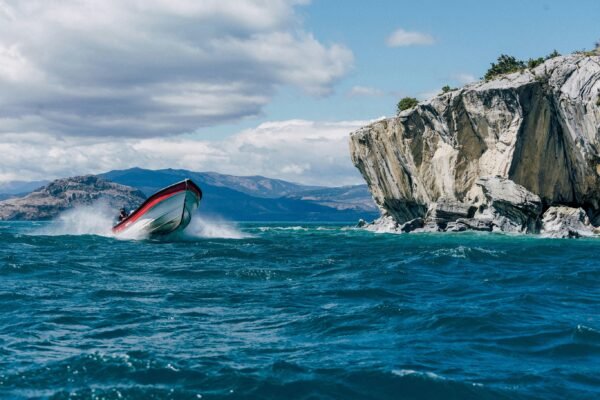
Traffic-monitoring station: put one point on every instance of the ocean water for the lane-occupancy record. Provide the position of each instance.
(295, 311)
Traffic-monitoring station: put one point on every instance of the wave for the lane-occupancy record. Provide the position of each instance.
(139, 375)
(466, 251)
(282, 228)
(585, 333)
(580, 342)
(429, 375)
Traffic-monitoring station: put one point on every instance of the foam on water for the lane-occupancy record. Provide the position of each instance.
(407, 372)
(98, 219)
(279, 228)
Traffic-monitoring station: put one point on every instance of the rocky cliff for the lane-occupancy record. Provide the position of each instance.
(493, 155)
(61, 194)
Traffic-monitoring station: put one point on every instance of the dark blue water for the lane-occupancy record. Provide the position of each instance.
(298, 313)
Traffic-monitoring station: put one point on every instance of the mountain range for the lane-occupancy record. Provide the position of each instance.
(242, 198)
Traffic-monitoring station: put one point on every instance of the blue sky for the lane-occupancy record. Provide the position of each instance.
(468, 35)
(269, 87)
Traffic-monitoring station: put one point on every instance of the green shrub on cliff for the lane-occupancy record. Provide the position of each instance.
(406, 103)
(508, 64)
(534, 62)
(589, 53)
(504, 65)
(447, 89)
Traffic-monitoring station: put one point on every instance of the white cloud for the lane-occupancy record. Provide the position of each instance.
(298, 150)
(402, 38)
(295, 169)
(127, 68)
(90, 86)
(14, 67)
(365, 91)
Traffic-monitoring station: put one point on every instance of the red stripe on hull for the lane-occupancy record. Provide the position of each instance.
(156, 198)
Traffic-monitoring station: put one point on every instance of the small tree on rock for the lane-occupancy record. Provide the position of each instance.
(505, 65)
(406, 103)
(534, 62)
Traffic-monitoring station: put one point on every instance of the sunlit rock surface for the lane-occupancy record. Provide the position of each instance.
(508, 149)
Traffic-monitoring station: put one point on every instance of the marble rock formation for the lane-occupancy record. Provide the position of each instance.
(493, 155)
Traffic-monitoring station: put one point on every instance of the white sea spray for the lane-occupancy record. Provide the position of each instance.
(95, 219)
(213, 227)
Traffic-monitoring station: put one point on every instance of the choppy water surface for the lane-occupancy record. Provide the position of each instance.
(286, 311)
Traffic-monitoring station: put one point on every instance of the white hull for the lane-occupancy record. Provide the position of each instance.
(162, 215)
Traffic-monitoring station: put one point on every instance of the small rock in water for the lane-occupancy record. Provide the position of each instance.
(412, 225)
(456, 227)
(566, 222)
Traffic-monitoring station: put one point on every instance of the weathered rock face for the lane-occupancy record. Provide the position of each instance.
(61, 194)
(510, 207)
(510, 148)
(566, 222)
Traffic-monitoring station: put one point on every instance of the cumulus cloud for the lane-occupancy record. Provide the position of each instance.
(358, 91)
(298, 150)
(126, 68)
(402, 38)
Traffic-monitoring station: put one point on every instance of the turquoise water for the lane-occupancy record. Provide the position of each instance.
(297, 312)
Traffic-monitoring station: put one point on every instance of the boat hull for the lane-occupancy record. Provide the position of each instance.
(169, 210)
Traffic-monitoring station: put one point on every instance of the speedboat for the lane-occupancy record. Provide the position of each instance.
(166, 211)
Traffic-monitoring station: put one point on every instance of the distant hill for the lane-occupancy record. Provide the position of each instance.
(257, 198)
(59, 195)
(258, 186)
(238, 198)
(355, 197)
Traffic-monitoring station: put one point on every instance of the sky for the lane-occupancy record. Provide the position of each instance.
(244, 87)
